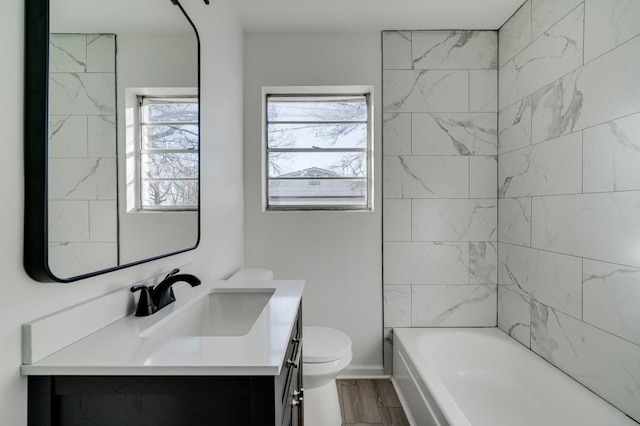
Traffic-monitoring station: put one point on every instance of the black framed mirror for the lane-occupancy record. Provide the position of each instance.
(112, 135)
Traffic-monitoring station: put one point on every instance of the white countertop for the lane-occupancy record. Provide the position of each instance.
(118, 349)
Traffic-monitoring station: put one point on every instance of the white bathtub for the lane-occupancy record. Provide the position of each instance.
(482, 377)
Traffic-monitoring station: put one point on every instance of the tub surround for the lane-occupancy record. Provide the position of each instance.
(119, 349)
(569, 274)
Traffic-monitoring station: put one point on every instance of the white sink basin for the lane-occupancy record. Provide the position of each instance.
(222, 312)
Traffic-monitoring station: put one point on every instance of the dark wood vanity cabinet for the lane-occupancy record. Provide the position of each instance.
(172, 400)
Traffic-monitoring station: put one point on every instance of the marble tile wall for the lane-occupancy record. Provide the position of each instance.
(439, 178)
(569, 190)
(82, 153)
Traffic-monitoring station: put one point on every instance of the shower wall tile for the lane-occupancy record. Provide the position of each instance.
(595, 94)
(426, 263)
(602, 226)
(101, 135)
(611, 298)
(68, 221)
(426, 91)
(396, 220)
(553, 167)
(557, 52)
(483, 86)
(514, 221)
(397, 306)
(608, 24)
(546, 13)
(82, 179)
(483, 173)
(514, 315)
(453, 305)
(82, 94)
(396, 133)
(67, 53)
(103, 222)
(71, 259)
(101, 53)
(67, 136)
(612, 156)
(425, 177)
(483, 260)
(515, 126)
(604, 363)
(454, 134)
(455, 50)
(551, 278)
(397, 50)
(454, 220)
(515, 34)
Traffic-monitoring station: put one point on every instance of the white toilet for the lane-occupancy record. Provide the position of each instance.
(326, 352)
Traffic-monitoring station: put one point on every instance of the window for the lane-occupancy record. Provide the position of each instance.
(318, 149)
(169, 153)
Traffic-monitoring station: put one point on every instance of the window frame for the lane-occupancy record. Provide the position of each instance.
(140, 151)
(310, 92)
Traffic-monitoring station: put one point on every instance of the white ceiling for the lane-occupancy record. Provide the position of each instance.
(366, 15)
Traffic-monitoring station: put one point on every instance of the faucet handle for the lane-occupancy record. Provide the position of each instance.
(145, 303)
(175, 271)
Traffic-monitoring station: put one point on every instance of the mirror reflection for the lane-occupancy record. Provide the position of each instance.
(123, 148)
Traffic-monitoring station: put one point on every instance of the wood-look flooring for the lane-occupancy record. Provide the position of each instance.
(370, 403)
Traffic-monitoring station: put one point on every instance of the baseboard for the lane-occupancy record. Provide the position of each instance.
(403, 402)
(363, 372)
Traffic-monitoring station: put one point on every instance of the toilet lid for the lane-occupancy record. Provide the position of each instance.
(322, 344)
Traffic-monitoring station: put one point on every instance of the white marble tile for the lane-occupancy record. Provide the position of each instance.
(101, 135)
(604, 363)
(454, 134)
(82, 179)
(454, 220)
(396, 220)
(68, 221)
(67, 53)
(612, 298)
(396, 50)
(103, 221)
(546, 13)
(82, 94)
(515, 34)
(603, 90)
(552, 167)
(68, 260)
(67, 136)
(454, 306)
(455, 50)
(397, 305)
(514, 315)
(396, 133)
(514, 129)
(609, 23)
(557, 52)
(425, 177)
(514, 221)
(101, 53)
(483, 262)
(426, 91)
(426, 263)
(603, 226)
(612, 156)
(551, 278)
(483, 172)
(483, 90)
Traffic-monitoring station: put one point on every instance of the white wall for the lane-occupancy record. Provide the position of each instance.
(221, 249)
(338, 254)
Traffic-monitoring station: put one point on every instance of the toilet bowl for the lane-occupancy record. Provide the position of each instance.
(326, 352)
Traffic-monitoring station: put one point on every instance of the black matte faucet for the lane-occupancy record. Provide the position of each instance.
(152, 299)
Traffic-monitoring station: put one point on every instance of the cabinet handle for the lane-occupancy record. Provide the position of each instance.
(295, 363)
(295, 402)
(296, 340)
